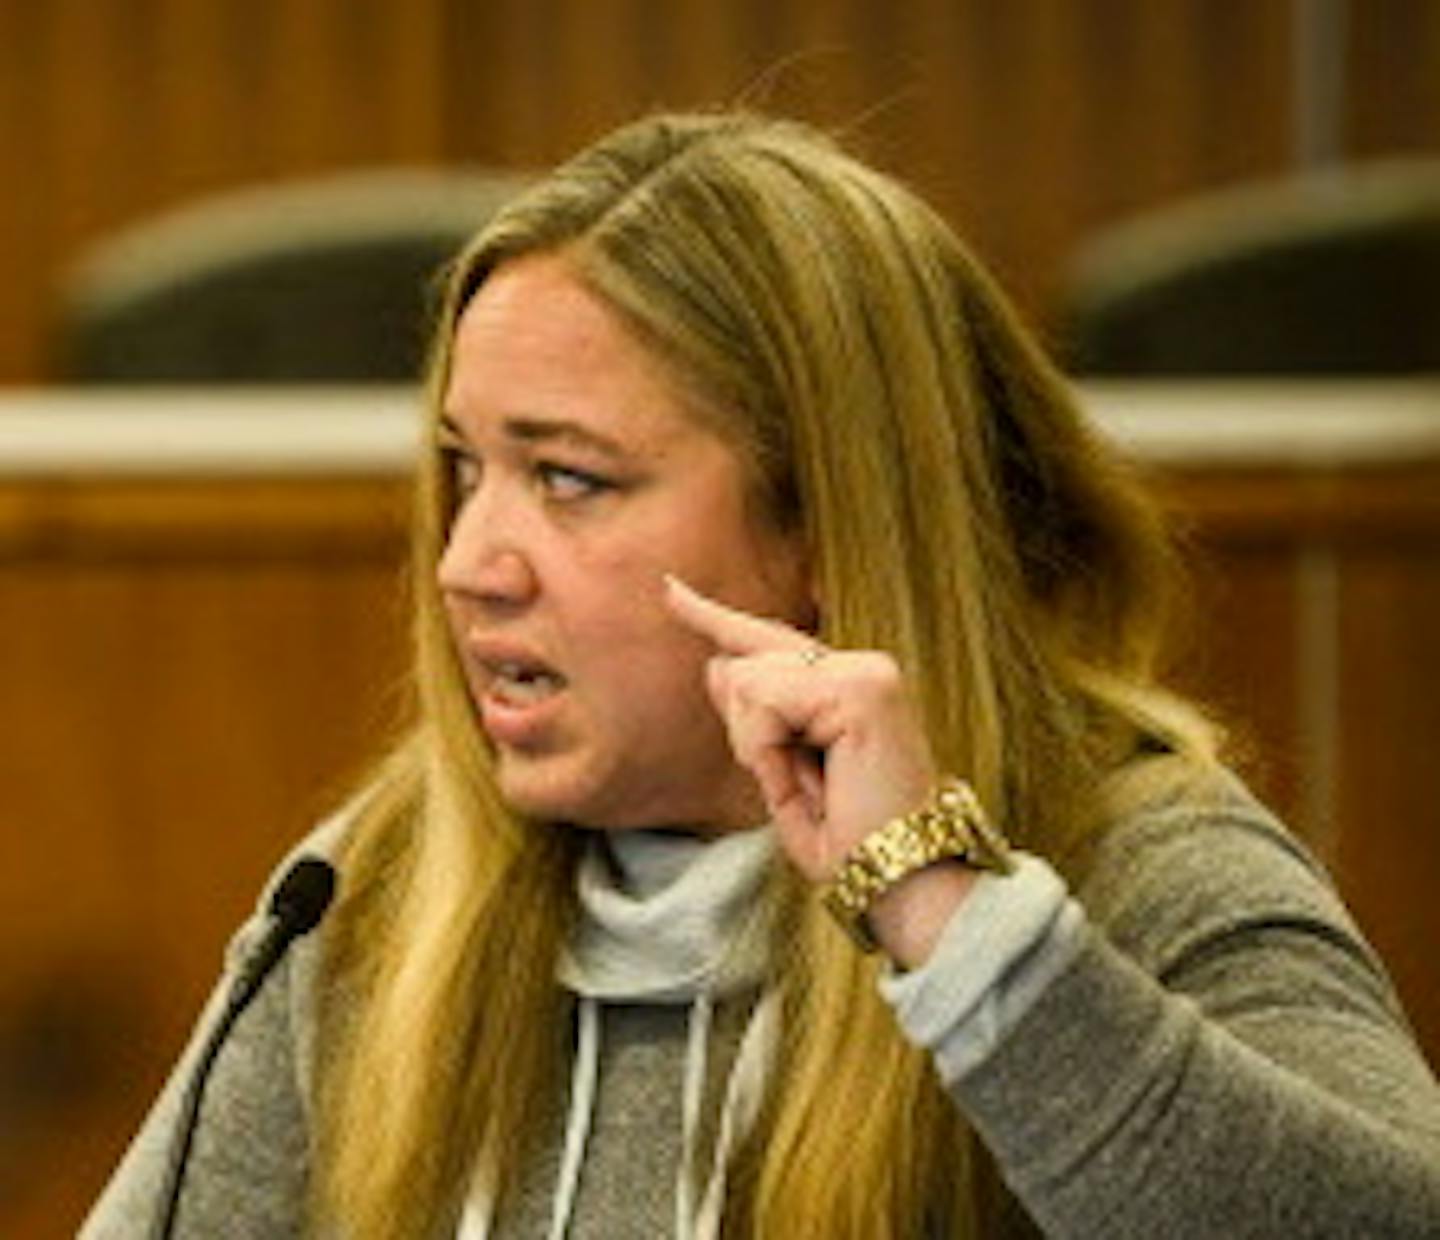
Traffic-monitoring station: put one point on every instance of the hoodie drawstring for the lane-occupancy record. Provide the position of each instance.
(744, 1093)
(582, 1110)
(692, 1097)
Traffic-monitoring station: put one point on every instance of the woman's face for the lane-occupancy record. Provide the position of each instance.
(583, 475)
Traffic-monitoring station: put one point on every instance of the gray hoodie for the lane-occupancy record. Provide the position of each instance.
(1197, 1043)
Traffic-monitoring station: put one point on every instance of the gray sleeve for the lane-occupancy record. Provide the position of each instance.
(249, 1167)
(1222, 1056)
(1013, 936)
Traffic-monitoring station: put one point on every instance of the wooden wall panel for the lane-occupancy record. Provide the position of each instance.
(191, 674)
(1389, 735)
(28, 252)
(1031, 123)
(1393, 100)
(114, 109)
(1028, 123)
(1318, 602)
(1236, 653)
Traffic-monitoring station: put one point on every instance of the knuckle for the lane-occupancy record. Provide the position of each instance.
(742, 680)
(756, 675)
(878, 675)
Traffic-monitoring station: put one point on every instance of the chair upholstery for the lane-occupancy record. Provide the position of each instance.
(328, 280)
(1330, 274)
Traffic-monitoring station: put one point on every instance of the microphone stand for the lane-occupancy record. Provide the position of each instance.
(298, 905)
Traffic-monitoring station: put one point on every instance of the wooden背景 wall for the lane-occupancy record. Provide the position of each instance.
(1030, 123)
(191, 671)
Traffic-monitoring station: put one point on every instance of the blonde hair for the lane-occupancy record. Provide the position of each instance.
(960, 514)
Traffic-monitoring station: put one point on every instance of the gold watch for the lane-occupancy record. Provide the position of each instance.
(952, 825)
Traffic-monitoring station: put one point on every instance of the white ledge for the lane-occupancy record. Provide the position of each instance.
(373, 430)
(1271, 424)
(208, 431)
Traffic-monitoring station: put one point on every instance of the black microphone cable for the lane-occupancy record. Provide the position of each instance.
(296, 908)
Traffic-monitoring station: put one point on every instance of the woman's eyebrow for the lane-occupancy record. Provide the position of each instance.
(546, 430)
(538, 430)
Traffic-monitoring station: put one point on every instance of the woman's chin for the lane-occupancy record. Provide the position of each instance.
(555, 788)
(543, 791)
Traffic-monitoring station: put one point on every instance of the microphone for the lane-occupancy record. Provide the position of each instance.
(296, 908)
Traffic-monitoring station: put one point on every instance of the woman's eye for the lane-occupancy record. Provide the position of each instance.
(561, 482)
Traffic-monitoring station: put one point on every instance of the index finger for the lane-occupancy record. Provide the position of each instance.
(733, 631)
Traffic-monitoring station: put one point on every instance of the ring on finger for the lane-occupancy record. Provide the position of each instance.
(812, 655)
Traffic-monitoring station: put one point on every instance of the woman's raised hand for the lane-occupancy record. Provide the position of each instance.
(831, 736)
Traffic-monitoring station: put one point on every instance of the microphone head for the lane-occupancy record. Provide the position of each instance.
(303, 895)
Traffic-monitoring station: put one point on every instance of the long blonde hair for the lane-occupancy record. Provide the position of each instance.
(960, 515)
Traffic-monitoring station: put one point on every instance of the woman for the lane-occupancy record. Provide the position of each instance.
(759, 523)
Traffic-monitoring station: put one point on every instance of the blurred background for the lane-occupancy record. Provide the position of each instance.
(1223, 214)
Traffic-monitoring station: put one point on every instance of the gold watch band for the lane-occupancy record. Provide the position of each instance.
(952, 825)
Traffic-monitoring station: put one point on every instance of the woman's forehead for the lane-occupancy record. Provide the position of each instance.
(539, 354)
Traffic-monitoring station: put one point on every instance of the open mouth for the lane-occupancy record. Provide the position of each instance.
(522, 684)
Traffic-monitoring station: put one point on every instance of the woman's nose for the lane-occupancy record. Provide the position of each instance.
(486, 557)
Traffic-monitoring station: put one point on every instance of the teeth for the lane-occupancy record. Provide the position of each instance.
(516, 683)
